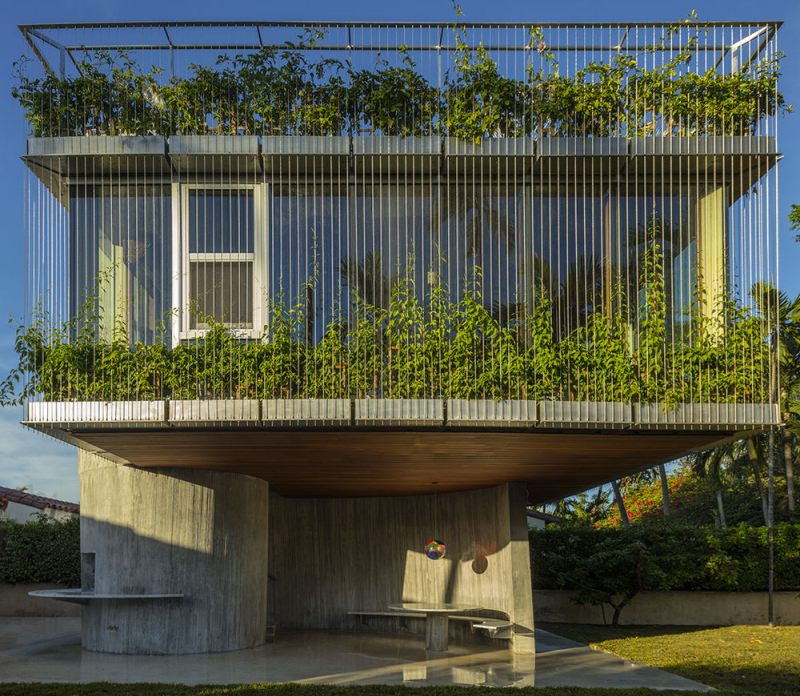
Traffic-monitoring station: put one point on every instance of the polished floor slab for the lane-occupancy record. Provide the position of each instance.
(48, 650)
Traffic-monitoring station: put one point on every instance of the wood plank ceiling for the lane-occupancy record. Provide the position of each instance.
(379, 463)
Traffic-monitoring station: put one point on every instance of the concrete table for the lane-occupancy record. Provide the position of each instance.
(436, 620)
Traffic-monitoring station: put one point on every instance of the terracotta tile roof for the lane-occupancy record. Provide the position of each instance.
(11, 495)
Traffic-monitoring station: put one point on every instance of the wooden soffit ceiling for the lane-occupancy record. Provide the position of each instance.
(378, 463)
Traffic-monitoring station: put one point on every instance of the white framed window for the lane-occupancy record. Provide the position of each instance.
(220, 264)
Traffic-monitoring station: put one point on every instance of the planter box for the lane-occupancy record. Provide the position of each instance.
(490, 147)
(582, 147)
(97, 145)
(202, 410)
(305, 145)
(705, 414)
(490, 413)
(396, 145)
(95, 411)
(305, 153)
(305, 411)
(702, 145)
(215, 154)
(395, 154)
(399, 412)
(214, 145)
(585, 413)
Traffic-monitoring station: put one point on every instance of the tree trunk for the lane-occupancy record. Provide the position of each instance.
(623, 513)
(788, 459)
(617, 611)
(662, 472)
(721, 510)
(755, 461)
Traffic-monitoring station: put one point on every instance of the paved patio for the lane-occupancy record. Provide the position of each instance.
(48, 650)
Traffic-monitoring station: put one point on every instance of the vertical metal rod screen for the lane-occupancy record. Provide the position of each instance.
(559, 213)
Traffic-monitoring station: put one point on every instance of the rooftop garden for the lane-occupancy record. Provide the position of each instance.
(296, 90)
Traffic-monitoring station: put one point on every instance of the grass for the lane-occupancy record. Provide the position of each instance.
(303, 690)
(737, 660)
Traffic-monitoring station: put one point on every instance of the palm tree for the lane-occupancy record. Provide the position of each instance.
(584, 509)
(368, 280)
(662, 473)
(781, 325)
(710, 465)
(476, 215)
(623, 513)
(755, 455)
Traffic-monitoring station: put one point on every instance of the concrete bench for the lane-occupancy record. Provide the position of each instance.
(401, 614)
(495, 628)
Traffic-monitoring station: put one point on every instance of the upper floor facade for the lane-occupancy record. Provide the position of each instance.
(561, 225)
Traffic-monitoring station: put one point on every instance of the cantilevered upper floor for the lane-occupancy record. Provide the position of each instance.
(443, 244)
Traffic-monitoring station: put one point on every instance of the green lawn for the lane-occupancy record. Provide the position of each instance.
(296, 690)
(737, 660)
(734, 659)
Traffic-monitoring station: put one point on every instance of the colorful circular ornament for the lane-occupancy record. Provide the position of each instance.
(435, 549)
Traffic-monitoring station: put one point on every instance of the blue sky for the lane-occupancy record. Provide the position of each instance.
(49, 467)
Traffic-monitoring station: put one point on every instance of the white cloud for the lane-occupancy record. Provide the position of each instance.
(43, 464)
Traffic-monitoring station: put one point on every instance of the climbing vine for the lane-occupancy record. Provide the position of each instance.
(422, 344)
(282, 92)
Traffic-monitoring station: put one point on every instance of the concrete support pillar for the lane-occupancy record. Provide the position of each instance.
(436, 633)
(202, 534)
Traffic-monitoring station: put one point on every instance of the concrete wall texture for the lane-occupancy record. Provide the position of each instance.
(207, 534)
(674, 609)
(332, 556)
(200, 533)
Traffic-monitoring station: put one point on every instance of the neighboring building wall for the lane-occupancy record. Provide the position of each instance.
(332, 556)
(200, 533)
(674, 609)
(19, 512)
(27, 513)
(58, 515)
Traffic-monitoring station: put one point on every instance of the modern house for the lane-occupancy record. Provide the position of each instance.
(307, 296)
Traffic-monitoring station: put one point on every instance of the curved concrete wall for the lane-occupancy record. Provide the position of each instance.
(330, 556)
(199, 533)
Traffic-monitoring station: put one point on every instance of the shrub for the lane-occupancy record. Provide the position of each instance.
(610, 566)
(422, 344)
(281, 92)
(41, 551)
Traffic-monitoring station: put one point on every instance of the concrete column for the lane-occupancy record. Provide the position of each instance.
(436, 632)
(199, 533)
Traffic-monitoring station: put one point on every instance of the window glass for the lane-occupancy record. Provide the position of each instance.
(667, 220)
(567, 253)
(221, 221)
(222, 291)
(308, 246)
(120, 261)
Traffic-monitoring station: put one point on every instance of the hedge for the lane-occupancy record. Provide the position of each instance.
(671, 557)
(40, 551)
